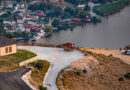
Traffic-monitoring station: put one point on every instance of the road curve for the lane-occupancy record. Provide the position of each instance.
(13, 81)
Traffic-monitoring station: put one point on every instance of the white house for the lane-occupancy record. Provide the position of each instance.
(81, 6)
(32, 22)
(20, 20)
(7, 22)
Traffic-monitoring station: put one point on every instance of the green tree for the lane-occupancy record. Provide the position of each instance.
(95, 19)
(46, 20)
(65, 15)
(76, 2)
(82, 14)
(56, 22)
(71, 10)
(57, 11)
(48, 29)
(41, 6)
(6, 15)
(2, 31)
(87, 7)
(42, 88)
(25, 34)
(10, 35)
(39, 64)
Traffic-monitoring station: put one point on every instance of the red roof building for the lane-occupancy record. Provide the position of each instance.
(77, 19)
(28, 26)
(69, 45)
(19, 18)
(39, 13)
(31, 27)
(86, 20)
(36, 29)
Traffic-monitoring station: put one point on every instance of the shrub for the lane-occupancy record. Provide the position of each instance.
(42, 88)
(110, 55)
(127, 75)
(77, 73)
(84, 71)
(121, 79)
(85, 54)
(39, 64)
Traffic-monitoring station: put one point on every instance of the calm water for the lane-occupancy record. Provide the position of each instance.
(112, 33)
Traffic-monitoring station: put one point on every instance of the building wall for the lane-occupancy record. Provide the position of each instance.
(3, 50)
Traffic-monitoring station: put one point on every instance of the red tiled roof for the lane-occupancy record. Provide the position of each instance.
(39, 13)
(77, 19)
(86, 20)
(28, 26)
(36, 29)
(68, 44)
(31, 27)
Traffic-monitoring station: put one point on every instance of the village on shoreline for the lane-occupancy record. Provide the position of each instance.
(25, 21)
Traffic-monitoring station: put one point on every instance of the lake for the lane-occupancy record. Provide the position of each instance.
(112, 33)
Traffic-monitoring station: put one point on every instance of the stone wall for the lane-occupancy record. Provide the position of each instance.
(38, 44)
(24, 63)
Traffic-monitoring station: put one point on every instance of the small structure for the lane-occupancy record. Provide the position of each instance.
(7, 46)
(68, 46)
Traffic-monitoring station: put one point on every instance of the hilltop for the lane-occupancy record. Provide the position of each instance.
(110, 74)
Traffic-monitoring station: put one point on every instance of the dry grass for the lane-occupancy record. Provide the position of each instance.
(10, 62)
(37, 75)
(105, 77)
(115, 53)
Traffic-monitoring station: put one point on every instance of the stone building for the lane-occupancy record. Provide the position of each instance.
(7, 46)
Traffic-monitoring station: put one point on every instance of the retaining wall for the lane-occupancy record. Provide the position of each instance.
(28, 61)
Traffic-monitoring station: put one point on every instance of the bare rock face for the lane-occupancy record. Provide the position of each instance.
(87, 63)
(95, 72)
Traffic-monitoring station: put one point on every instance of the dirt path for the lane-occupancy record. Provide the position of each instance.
(115, 53)
(13, 81)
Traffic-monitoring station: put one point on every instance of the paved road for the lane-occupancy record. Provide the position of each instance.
(58, 59)
(13, 81)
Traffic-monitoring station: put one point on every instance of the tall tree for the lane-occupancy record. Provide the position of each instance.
(56, 22)
(48, 29)
(71, 10)
(2, 31)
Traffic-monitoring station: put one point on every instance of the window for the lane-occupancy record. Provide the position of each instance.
(10, 49)
(6, 50)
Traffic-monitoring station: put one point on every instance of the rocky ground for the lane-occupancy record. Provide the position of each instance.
(95, 72)
(115, 52)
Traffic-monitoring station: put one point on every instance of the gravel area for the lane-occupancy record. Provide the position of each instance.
(58, 59)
